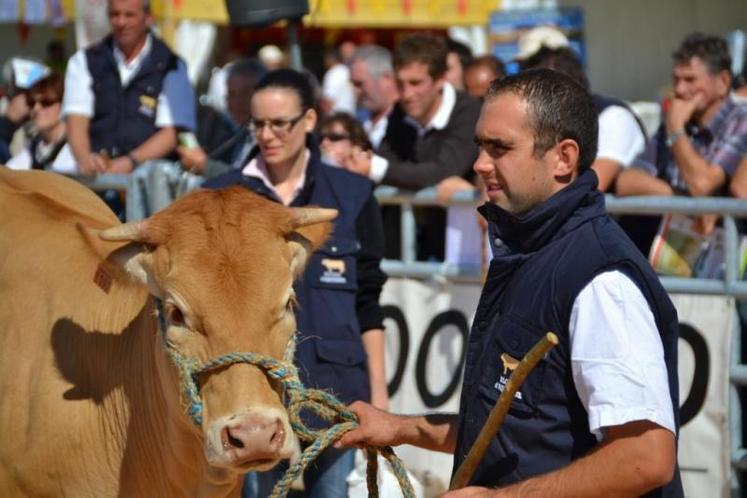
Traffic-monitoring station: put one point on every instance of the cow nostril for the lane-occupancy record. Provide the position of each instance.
(229, 441)
(278, 436)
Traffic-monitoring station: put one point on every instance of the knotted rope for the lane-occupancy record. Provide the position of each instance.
(298, 397)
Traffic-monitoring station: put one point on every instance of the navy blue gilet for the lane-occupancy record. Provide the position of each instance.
(125, 117)
(329, 351)
(549, 255)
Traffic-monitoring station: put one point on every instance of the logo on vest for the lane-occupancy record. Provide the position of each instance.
(509, 365)
(147, 105)
(334, 271)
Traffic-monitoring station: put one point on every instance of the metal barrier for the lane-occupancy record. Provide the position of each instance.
(730, 285)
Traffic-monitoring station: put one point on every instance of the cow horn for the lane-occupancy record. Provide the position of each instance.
(308, 216)
(135, 230)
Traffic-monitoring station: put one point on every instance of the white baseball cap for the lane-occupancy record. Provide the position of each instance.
(542, 36)
(24, 72)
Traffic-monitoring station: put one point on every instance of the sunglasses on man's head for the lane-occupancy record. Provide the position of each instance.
(335, 137)
(44, 101)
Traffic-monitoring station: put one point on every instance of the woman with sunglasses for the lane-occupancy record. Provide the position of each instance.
(48, 149)
(340, 134)
(340, 341)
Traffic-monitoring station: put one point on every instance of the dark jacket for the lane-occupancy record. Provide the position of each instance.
(125, 117)
(339, 291)
(549, 255)
(419, 162)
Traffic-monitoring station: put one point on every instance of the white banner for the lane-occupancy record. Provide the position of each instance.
(427, 326)
(706, 324)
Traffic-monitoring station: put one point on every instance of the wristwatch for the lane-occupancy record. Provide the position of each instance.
(674, 136)
(135, 163)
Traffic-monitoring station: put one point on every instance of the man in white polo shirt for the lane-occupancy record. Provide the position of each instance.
(127, 96)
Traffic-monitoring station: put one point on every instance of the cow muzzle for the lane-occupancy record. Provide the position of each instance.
(251, 440)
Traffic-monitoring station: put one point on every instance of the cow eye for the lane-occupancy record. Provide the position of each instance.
(174, 315)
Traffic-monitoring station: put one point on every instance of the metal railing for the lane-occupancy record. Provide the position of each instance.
(730, 285)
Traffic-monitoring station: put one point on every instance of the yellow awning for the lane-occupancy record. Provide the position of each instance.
(339, 13)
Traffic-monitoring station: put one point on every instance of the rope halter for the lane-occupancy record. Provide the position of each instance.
(297, 397)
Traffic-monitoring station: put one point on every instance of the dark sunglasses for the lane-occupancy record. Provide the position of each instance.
(44, 101)
(335, 137)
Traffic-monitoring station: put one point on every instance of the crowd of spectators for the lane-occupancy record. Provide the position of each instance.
(403, 118)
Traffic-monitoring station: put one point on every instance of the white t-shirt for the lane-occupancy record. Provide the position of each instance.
(620, 137)
(617, 357)
(63, 163)
(176, 102)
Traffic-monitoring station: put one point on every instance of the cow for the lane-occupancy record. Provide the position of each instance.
(90, 402)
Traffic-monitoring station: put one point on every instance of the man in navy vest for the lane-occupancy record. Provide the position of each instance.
(599, 415)
(126, 96)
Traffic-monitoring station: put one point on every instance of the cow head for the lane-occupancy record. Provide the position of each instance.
(223, 263)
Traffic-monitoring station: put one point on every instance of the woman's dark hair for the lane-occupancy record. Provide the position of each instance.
(352, 127)
(292, 80)
(52, 85)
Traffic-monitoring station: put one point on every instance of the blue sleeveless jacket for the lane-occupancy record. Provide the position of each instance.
(548, 256)
(125, 117)
(329, 351)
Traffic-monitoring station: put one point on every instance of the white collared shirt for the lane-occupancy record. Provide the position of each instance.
(176, 102)
(257, 168)
(376, 130)
(617, 357)
(439, 121)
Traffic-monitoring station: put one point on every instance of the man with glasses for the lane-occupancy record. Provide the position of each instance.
(127, 96)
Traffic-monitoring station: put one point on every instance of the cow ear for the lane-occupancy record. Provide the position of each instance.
(307, 216)
(304, 241)
(137, 261)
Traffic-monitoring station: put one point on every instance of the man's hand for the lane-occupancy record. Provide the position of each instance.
(18, 110)
(193, 159)
(92, 164)
(447, 187)
(681, 110)
(359, 161)
(377, 428)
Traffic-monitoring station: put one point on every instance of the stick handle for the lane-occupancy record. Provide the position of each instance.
(498, 413)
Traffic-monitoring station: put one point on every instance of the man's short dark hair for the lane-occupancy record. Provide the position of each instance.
(461, 50)
(562, 59)
(712, 50)
(558, 108)
(425, 48)
(489, 61)
(249, 67)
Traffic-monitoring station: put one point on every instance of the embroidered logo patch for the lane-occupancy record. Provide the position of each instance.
(147, 105)
(509, 365)
(334, 271)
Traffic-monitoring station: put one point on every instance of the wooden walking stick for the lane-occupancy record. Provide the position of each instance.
(498, 413)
